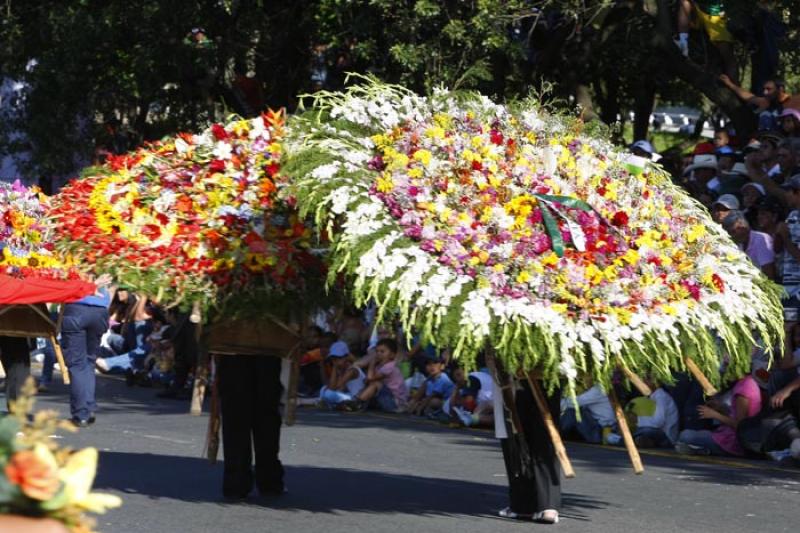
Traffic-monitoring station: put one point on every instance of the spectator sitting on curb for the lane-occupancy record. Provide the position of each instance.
(346, 379)
(655, 419)
(436, 389)
(597, 417)
(384, 383)
(471, 401)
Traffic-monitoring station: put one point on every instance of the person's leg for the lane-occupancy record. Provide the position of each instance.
(369, 391)
(96, 326)
(589, 427)
(520, 496)
(267, 427)
(48, 364)
(385, 400)
(651, 438)
(546, 481)
(237, 396)
(333, 398)
(116, 364)
(700, 441)
(16, 359)
(73, 343)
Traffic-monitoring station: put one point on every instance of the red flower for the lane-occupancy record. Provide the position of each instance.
(217, 165)
(218, 130)
(718, 283)
(620, 219)
(496, 137)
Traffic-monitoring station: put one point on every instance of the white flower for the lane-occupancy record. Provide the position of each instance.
(164, 201)
(223, 150)
(326, 172)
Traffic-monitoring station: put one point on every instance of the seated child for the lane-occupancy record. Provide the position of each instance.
(384, 384)
(346, 379)
(437, 388)
(654, 419)
(745, 402)
(471, 401)
(597, 418)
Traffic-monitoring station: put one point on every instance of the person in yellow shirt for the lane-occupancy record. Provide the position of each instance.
(710, 16)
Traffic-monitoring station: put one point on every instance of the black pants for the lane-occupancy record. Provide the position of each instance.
(16, 358)
(539, 488)
(250, 391)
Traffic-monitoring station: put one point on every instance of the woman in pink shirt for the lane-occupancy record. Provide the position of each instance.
(745, 402)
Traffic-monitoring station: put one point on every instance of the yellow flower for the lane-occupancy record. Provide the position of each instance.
(523, 277)
(435, 132)
(78, 476)
(695, 232)
(668, 309)
(423, 156)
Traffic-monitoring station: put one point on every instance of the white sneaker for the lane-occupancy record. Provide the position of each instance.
(508, 513)
(102, 364)
(548, 516)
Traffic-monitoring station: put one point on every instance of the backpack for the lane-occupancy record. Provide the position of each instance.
(767, 431)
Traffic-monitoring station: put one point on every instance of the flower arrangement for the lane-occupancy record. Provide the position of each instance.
(26, 249)
(40, 479)
(184, 217)
(507, 226)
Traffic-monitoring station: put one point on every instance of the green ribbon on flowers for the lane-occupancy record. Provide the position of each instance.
(550, 222)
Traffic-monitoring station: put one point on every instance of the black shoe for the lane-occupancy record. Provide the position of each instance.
(79, 422)
(91, 420)
(273, 492)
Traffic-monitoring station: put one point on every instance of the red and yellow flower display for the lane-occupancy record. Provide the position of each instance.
(181, 218)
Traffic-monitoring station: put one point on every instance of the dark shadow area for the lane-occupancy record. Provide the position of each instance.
(315, 489)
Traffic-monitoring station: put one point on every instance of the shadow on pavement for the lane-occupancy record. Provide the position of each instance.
(315, 489)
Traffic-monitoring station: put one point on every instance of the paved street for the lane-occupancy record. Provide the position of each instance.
(372, 473)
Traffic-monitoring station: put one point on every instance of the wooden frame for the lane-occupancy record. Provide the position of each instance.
(33, 320)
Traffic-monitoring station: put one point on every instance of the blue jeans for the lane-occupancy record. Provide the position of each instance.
(658, 437)
(81, 330)
(385, 400)
(133, 360)
(49, 363)
(588, 427)
(701, 438)
(333, 398)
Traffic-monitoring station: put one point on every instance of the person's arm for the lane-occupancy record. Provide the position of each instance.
(757, 174)
(746, 96)
(742, 406)
(788, 246)
(786, 361)
(770, 271)
(782, 395)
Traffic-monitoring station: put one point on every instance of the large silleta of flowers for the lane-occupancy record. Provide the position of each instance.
(194, 220)
(482, 225)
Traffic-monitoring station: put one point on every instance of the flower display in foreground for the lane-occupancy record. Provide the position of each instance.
(40, 479)
(184, 217)
(26, 249)
(506, 226)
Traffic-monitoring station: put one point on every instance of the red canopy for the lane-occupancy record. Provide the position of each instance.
(33, 290)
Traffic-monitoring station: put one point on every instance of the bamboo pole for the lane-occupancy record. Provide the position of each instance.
(633, 453)
(60, 359)
(212, 438)
(638, 382)
(291, 393)
(200, 376)
(708, 388)
(555, 436)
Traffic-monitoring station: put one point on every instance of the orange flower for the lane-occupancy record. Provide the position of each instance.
(36, 473)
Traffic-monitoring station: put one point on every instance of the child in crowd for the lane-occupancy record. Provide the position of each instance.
(745, 402)
(384, 383)
(471, 401)
(346, 379)
(597, 418)
(654, 420)
(437, 388)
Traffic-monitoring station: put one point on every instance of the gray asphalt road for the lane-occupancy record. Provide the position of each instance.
(361, 472)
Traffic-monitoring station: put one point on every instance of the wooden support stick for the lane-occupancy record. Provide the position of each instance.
(708, 388)
(60, 359)
(212, 438)
(626, 433)
(291, 393)
(636, 380)
(555, 436)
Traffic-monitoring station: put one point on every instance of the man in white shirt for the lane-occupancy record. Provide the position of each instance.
(596, 415)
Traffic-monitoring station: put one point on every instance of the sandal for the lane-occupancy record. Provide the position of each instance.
(508, 513)
(548, 516)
